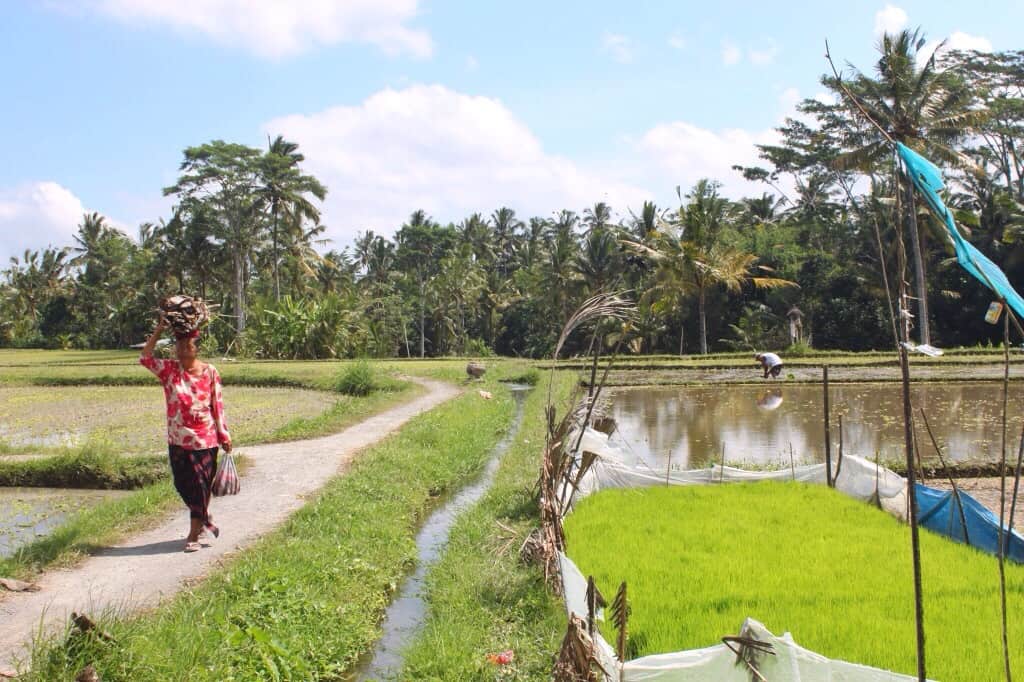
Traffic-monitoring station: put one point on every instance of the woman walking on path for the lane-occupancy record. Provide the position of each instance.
(195, 425)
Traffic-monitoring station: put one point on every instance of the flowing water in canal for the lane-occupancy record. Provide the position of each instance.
(757, 424)
(405, 614)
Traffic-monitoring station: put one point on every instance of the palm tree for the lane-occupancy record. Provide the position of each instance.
(284, 196)
(646, 224)
(599, 262)
(598, 217)
(559, 277)
(88, 239)
(506, 227)
(924, 107)
(691, 258)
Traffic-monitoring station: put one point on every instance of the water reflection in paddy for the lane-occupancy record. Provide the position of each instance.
(758, 424)
(28, 513)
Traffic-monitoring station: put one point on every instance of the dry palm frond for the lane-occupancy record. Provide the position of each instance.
(620, 619)
(577, 660)
(612, 305)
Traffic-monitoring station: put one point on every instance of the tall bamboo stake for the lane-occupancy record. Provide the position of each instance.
(949, 476)
(1016, 487)
(828, 431)
(908, 444)
(1002, 493)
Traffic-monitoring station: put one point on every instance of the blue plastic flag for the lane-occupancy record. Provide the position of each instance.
(928, 181)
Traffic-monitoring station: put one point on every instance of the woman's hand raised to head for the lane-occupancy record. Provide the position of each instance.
(147, 350)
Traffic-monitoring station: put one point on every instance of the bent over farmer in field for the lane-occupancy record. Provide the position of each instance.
(770, 363)
(195, 425)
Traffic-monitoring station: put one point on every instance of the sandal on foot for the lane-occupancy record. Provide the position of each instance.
(192, 547)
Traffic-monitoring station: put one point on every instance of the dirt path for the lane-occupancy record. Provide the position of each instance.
(151, 566)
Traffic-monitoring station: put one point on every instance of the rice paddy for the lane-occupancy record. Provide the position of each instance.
(131, 418)
(833, 571)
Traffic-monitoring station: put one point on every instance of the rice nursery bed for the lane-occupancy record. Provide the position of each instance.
(832, 570)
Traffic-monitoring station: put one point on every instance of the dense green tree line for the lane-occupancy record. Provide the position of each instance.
(707, 273)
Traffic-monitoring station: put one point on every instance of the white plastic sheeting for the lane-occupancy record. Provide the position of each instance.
(857, 477)
(791, 662)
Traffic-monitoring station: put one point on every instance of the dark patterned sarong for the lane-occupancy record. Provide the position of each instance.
(193, 477)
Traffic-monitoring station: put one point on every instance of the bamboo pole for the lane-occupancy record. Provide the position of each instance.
(949, 477)
(839, 464)
(828, 432)
(1002, 494)
(1016, 487)
(792, 467)
(721, 466)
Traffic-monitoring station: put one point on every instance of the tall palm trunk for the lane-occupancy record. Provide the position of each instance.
(703, 321)
(423, 315)
(920, 287)
(239, 266)
(277, 274)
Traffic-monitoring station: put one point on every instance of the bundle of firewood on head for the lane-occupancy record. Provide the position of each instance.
(184, 315)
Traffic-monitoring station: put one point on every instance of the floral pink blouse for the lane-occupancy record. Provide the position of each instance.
(195, 405)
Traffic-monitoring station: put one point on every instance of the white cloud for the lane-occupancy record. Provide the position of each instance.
(619, 46)
(890, 19)
(788, 99)
(958, 40)
(37, 214)
(448, 153)
(280, 28)
(472, 64)
(685, 153)
(731, 53)
(763, 56)
(676, 41)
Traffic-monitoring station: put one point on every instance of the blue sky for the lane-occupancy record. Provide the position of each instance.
(402, 104)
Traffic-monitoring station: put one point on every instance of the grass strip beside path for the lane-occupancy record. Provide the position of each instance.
(481, 598)
(834, 571)
(305, 601)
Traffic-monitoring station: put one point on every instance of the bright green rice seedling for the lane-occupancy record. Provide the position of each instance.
(832, 570)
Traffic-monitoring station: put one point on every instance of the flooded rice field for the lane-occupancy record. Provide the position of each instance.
(132, 417)
(757, 425)
(28, 513)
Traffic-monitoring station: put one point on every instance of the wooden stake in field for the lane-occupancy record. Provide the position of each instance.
(902, 340)
(828, 431)
(949, 477)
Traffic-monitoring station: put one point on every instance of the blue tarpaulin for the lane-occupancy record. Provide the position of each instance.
(938, 511)
(928, 181)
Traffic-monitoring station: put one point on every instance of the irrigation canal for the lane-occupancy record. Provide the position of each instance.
(405, 615)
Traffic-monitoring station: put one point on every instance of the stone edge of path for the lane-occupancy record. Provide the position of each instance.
(142, 570)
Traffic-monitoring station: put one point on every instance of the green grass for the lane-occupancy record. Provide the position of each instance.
(832, 570)
(482, 598)
(304, 602)
(90, 467)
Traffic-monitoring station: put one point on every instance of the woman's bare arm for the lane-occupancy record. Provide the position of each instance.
(147, 350)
